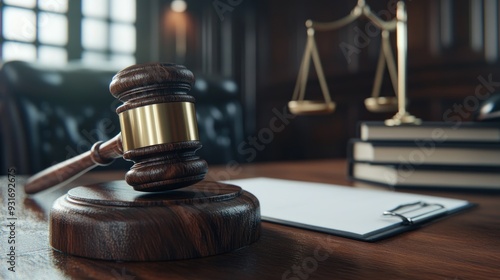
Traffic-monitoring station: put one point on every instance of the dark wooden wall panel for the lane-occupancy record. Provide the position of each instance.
(444, 64)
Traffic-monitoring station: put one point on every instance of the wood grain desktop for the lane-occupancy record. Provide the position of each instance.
(464, 246)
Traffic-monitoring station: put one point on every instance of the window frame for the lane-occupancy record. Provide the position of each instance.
(73, 47)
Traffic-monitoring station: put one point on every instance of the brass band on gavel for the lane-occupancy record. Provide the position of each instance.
(158, 124)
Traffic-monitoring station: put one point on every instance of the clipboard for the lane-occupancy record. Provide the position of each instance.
(361, 214)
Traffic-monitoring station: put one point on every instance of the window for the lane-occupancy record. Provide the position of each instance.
(35, 31)
(38, 30)
(108, 31)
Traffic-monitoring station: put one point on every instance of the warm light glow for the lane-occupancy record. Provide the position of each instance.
(178, 6)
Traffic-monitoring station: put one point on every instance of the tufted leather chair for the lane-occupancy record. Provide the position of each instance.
(49, 114)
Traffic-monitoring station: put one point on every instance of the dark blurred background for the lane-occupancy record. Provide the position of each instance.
(258, 44)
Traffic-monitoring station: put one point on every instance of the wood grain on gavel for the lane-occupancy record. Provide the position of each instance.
(111, 221)
(158, 132)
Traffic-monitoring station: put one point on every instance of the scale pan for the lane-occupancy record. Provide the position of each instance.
(311, 107)
(381, 104)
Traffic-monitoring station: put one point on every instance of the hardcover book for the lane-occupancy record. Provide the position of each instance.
(425, 152)
(435, 131)
(407, 175)
(433, 154)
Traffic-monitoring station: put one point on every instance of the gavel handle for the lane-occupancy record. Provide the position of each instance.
(101, 153)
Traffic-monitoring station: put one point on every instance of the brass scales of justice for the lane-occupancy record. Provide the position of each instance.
(376, 103)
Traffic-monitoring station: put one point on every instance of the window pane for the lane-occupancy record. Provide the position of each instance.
(95, 8)
(123, 38)
(123, 10)
(90, 57)
(18, 51)
(52, 29)
(94, 34)
(53, 55)
(19, 24)
(122, 61)
(21, 3)
(58, 6)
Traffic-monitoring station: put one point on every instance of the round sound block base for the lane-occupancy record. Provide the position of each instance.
(111, 221)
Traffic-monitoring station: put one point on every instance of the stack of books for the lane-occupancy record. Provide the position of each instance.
(433, 154)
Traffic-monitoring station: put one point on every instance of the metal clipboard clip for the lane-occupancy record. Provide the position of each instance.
(415, 212)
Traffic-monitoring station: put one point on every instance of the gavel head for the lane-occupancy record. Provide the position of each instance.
(158, 126)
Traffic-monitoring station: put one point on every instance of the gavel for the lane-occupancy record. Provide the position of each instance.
(159, 133)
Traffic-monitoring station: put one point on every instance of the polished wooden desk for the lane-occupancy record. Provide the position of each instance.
(464, 246)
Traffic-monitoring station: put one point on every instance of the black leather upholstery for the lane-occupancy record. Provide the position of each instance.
(49, 114)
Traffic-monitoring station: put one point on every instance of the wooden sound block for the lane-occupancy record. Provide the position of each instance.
(111, 221)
